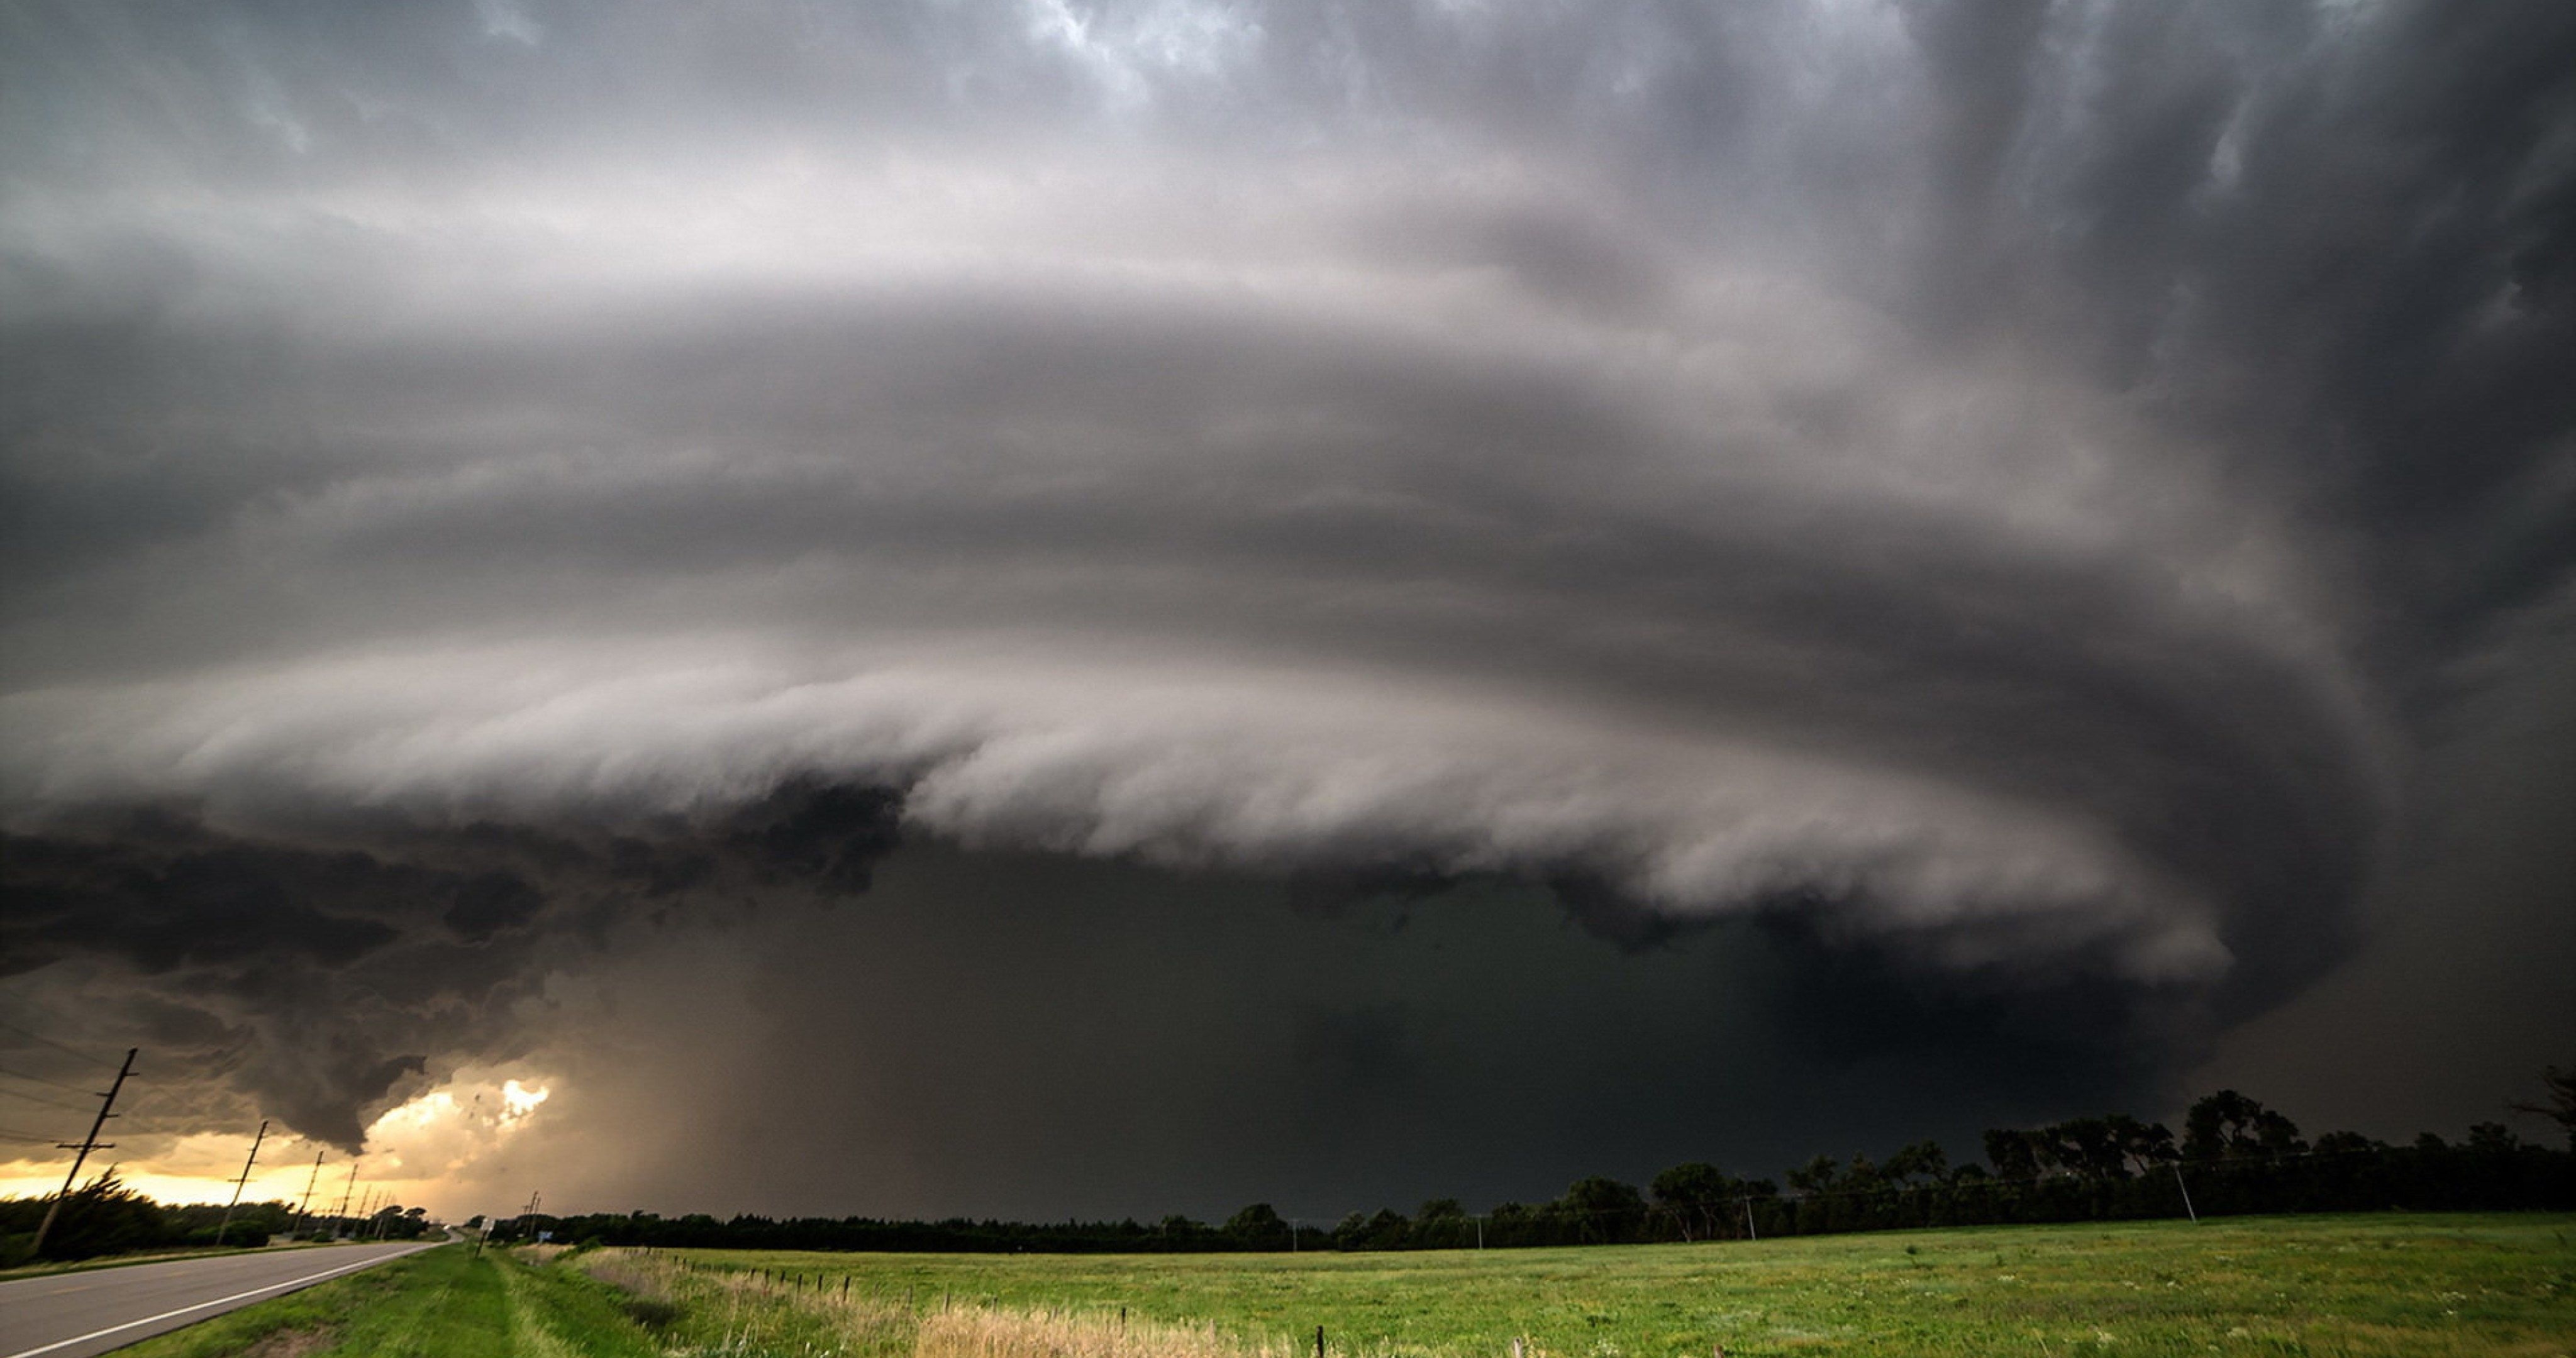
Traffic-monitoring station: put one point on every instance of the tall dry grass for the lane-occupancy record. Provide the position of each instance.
(995, 1332)
(731, 1312)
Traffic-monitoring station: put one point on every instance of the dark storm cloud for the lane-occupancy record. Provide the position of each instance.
(315, 977)
(1988, 498)
(1016, 1033)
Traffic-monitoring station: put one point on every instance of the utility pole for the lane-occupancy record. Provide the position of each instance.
(528, 1214)
(306, 1200)
(2186, 1194)
(341, 1218)
(240, 1183)
(87, 1144)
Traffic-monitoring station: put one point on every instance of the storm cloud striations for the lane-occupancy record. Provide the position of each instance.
(1998, 500)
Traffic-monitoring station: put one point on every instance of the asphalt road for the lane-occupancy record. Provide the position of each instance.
(72, 1315)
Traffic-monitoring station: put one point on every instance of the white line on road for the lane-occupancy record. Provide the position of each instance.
(237, 1296)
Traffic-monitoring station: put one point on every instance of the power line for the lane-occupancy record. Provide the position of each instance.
(91, 1057)
(13, 1134)
(20, 1074)
(39, 1098)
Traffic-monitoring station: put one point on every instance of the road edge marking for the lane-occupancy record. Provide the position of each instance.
(237, 1296)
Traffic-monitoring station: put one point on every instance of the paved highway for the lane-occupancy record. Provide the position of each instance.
(73, 1315)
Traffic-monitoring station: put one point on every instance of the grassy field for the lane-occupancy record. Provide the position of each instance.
(2327, 1285)
(441, 1303)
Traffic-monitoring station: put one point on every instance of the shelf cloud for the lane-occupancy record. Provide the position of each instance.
(2006, 496)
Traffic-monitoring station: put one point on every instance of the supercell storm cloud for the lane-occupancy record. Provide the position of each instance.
(2012, 497)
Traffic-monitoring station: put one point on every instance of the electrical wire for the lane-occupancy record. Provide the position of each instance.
(20, 1074)
(39, 1098)
(57, 1046)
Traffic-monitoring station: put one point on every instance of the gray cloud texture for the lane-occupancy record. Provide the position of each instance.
(2003, 492)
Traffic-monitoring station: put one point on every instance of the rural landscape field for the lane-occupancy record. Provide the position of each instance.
(2327, 1286)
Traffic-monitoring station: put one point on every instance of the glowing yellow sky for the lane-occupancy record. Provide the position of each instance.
(416, 1152)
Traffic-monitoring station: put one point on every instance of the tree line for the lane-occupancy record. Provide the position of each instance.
(2235, 1156)
(106, 1217)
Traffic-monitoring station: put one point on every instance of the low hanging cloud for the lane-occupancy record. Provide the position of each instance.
(2000, 486)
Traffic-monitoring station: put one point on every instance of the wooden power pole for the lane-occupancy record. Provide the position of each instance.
(307, 1199)
(107, 1103)
(238, 1184)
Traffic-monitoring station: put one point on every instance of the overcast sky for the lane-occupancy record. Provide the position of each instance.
(1043, 608)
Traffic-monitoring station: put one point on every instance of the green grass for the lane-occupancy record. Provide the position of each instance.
(2326, 1285)
(2332, 1286)
(441, 1303)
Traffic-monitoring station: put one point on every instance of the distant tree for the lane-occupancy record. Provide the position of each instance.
(2559, 1101)
(1442, 1224)
(2347, 1143)
(1861, 1175)
(2087, 1148)
(1694, 1194)
(1819, 1175)
(2143, 1145)
(105, 1217)
(1258, 1226)
(2229, 1126)
(1604, 1209)
(1387, 1230)
(2011, 1153)
(1922, 1160)
(2493, 1138)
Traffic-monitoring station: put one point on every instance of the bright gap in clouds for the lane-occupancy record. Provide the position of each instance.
(417, 1153)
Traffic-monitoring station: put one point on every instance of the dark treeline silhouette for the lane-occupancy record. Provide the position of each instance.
(106, 1217)
(2235, 1156)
